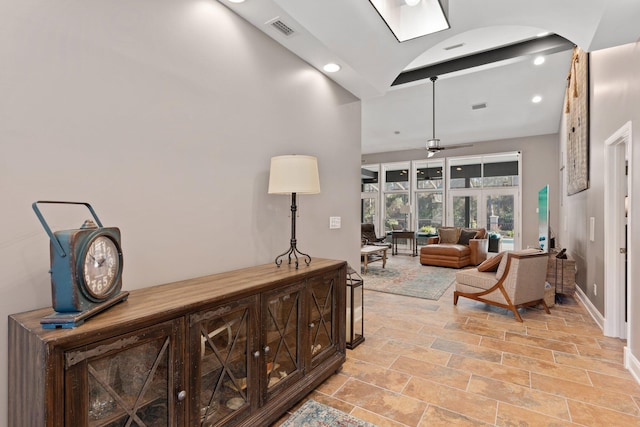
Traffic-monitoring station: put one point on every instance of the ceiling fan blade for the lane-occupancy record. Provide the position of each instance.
(432, 150)
(458, 146)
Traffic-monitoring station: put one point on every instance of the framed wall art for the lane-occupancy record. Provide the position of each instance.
(577, 110)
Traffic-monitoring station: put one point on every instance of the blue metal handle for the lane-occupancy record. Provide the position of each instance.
(54, 239)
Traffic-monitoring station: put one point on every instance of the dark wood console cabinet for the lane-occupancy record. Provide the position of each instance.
(236, 348)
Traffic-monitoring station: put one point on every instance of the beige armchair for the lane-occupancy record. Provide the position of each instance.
(518, 282)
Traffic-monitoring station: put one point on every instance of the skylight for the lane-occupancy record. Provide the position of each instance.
(409, 19)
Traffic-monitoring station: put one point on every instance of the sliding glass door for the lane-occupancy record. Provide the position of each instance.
(494, 209)
(463, 210)
(500, 215)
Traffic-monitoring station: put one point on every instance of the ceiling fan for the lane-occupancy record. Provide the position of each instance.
(433, 144)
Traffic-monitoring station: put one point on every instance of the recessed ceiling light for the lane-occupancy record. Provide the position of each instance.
(536, 99)
(411, 2)
(539, 60)
(331, 67)
(236, 1)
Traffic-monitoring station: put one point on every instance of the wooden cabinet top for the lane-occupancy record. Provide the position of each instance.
(157, 303)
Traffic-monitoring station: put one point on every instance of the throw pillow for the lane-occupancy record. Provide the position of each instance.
(465, 236)
(503, 265)
(491, 264)
(448, 235)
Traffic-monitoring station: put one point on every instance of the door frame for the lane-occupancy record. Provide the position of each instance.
(618, 149)
(482, 195)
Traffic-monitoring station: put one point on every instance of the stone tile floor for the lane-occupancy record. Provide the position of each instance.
(429, 363)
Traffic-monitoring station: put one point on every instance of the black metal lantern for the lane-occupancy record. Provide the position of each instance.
(355, 309)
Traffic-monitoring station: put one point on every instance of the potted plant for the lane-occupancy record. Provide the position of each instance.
(430, 231)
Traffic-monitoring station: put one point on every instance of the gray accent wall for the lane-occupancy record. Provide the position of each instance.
(164, 116)
(614, 91)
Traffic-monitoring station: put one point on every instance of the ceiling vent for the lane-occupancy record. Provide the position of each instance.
(479, 106)
(455, 46)
(282, 28)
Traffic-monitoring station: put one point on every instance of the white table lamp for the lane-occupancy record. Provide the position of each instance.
(294, 174)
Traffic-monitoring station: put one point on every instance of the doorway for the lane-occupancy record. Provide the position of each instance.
(616, 193)
(494, 209)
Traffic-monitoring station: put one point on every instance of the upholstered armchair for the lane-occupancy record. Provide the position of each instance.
(518, 282)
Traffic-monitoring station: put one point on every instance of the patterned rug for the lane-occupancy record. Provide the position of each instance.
(406, 276)
(314, 414)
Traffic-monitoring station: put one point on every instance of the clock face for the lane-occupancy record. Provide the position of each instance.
(101, 267)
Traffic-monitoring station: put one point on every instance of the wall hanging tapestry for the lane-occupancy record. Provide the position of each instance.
(577, 110)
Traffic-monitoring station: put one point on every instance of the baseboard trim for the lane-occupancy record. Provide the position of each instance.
(632, 364)
(593, 311)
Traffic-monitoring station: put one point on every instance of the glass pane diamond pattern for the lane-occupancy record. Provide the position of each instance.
(223, 366)
(130, 387)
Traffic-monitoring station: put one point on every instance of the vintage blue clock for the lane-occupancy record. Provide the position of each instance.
(86, 270)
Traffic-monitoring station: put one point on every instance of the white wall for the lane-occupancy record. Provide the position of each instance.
(540, 167)
(164, 116)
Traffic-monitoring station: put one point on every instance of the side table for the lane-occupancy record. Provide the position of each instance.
(410, 235)
(561, 274)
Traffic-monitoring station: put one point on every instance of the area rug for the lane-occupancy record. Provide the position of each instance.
(411, 279)
(314, 414)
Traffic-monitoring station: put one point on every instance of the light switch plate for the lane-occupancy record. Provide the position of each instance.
(334, 222)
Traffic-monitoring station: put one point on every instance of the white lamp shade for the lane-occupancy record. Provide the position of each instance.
(294, 174)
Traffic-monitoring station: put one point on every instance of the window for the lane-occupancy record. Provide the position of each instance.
(429, 179)
(370, 182)
(429, 175)
(396, 196)
(396, 178)
(370, 194)
(501, 170)
(422, 195)
(410, 19)
(430, 211)
(465, 173)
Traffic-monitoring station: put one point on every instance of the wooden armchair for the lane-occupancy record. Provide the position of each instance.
(518, 282)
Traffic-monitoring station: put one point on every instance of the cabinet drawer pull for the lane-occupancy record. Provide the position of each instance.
(256, 354)
(182, 395)
(312, 325)
(266, 349)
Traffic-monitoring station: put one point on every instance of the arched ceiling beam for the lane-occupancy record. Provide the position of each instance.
(540, 46)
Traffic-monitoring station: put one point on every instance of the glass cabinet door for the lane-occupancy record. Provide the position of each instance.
(221, 350)
(126, 381)
(281, 312)
(323, 334)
